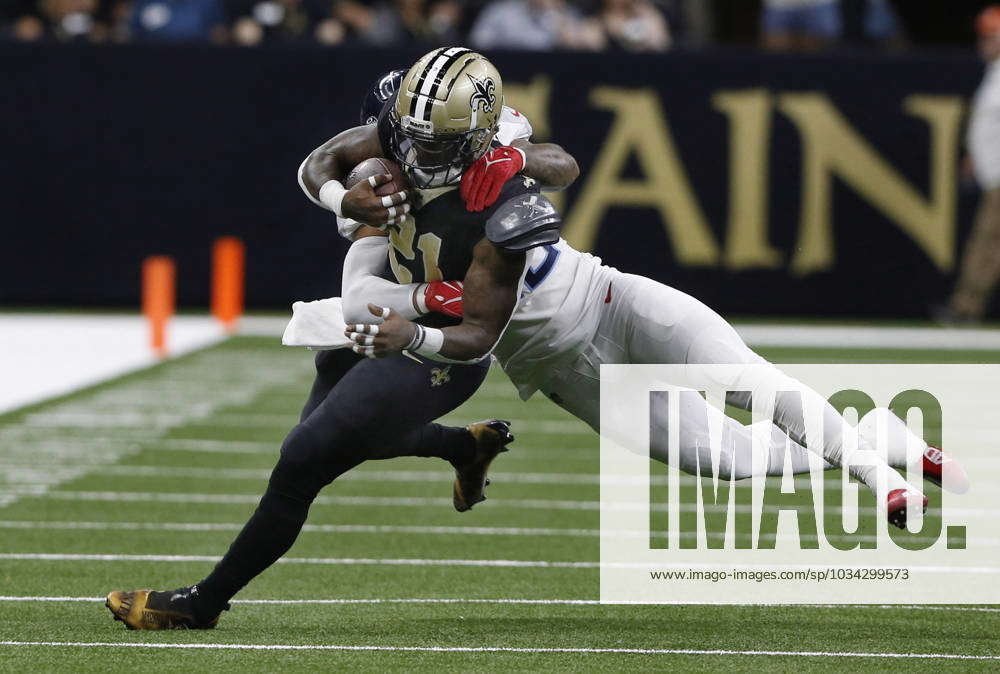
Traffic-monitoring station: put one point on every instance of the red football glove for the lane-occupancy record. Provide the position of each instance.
(444, 297)
(482, 181)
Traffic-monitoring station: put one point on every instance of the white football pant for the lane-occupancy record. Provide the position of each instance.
(648, 322)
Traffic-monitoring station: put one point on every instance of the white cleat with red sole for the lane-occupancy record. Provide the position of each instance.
(942, 469)
(896, 505)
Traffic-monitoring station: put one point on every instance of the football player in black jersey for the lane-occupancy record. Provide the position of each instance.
(436, 126)
(439, 128)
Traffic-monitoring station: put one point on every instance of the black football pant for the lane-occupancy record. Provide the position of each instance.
(358, 409)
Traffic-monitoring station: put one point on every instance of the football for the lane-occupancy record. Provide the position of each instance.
(374, 167)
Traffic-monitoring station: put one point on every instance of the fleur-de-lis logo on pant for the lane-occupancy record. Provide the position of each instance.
(439, 376)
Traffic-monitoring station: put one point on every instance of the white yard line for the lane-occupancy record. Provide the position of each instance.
(16, 439)
(307, 528)
(12, 469)
(142, 417)
(23, 472)
(499, 649)
(402, 501)
(528, 602)
(325, 561)
(287, 420)
(418, 530)
(216, 446)
(501, 563)
(37, 442)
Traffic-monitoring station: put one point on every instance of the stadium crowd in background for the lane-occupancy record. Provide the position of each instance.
(632, 25)
(809, 25)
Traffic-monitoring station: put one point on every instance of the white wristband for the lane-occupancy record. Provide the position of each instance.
(332, 195)
(426, 341)
(420, 300)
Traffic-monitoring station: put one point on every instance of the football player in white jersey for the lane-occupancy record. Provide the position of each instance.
(566, 314)
(572, 314)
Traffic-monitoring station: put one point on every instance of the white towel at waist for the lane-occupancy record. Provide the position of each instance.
(318, 325)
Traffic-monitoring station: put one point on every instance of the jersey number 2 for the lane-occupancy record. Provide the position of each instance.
(401, 243)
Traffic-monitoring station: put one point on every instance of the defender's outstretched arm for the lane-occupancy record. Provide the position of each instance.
(362, 284)
(547, 163)
(523, 222)
(553, 167)
(489, 301)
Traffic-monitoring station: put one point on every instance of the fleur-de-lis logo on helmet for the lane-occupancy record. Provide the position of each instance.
(484, 97)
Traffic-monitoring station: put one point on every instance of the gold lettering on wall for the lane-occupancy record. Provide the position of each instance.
(831, 147)
(532, 101)
(749, 114)
(640, 128)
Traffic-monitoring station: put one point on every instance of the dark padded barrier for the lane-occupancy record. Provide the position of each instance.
(823, 185)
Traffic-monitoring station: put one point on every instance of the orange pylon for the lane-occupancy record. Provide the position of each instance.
(227, 281)
(158, 298)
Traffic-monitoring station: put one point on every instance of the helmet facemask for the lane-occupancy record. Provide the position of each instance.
(445, 116)
(435, 159)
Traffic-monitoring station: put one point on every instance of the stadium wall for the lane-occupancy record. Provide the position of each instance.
(764, 184)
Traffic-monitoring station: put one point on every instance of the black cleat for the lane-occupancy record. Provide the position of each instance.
(492, 437)
(149, 610)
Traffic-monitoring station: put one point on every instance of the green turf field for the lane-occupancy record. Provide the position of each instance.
(168, 464)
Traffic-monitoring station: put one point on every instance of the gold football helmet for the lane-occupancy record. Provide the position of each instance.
(445, 116)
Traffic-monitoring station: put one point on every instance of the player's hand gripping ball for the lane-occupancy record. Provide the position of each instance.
(390, 336)
(377, 194)
(481, 182)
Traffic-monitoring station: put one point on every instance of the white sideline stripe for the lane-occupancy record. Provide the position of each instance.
(539, 602)
(395, 501)
(501, 649)
(33, 443)
(763, 334)
(49, 355)
(507, 563)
